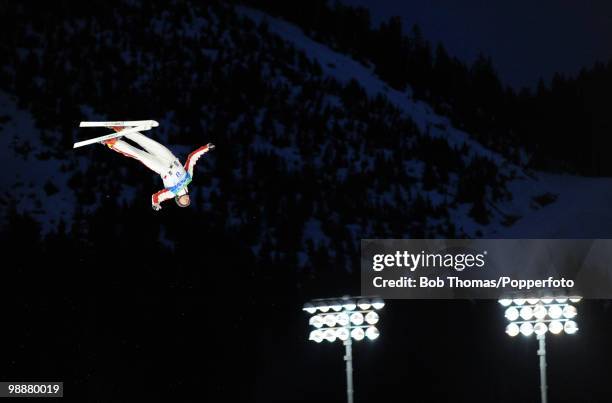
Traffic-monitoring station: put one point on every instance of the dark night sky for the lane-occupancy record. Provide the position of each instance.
(526, 39)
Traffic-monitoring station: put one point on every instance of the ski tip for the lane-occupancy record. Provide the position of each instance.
(127, 123)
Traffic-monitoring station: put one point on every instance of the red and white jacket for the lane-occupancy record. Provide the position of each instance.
(178, 176)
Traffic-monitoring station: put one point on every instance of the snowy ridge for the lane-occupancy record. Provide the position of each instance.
(582, 205)
(344, 69)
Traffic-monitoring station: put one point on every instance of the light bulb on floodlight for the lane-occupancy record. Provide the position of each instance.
(349, 305)
(378, 303)
(570, 327)
(342, 319)
(533, 301)
(330, 335)
(512, 313)
(512, 329)
(540, 328)
(526, 329)
(569, 311)
(372, 333)
(575, 299)
(505, 302)
(358, 334)
(364, 304)
(357, 318)
(322, 307)
(539, 312)
(343, 334)
(555, 311)
(335, 306)
(330, 320)
(561, 300)
(546, 300)
(310, 308)
(371, 318)
(316, 321)
(316, 336)
(519, 301)
(555, 327)
(526, 312)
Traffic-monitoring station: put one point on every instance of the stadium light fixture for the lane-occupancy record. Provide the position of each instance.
(345, 319)
(539, 316)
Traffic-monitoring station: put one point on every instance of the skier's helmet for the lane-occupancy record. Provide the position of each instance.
(182, 199)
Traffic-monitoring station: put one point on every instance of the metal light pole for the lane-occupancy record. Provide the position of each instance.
(542, 354)
(539, 316)
(348, 357)
(345, 319)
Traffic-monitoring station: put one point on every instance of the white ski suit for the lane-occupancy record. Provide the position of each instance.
(158, 158)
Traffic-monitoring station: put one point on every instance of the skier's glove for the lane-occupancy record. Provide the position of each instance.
(210, 146)
(156, 207)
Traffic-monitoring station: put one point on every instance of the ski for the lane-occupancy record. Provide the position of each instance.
(127, 123)
(111, 136)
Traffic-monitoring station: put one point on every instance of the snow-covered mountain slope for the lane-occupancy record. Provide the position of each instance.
(344, 69)
(579, 207)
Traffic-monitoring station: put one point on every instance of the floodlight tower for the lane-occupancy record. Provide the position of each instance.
(345, 319)
(538, 316)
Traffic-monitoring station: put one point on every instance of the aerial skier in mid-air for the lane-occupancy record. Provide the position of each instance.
(155, 156)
